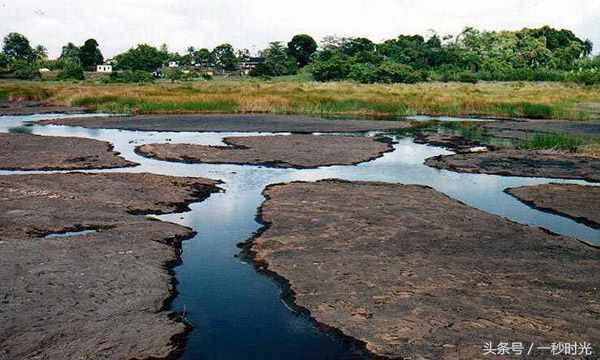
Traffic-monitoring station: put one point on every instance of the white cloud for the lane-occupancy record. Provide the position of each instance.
(120, 24)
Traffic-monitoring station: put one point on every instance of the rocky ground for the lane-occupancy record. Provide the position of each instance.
(456, 143)
(417, 275)
(230, 123)
(33, 152)
(581, 203)
(527, 163)
(101, 295)
(296, 151)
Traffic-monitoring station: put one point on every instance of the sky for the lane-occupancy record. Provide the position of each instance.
(120, 24)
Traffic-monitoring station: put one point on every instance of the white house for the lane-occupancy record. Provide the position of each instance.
(104, 69)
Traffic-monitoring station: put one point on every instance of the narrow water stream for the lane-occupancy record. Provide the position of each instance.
(238, 313)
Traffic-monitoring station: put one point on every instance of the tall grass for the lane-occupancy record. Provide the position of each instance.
(507, 100)
(555, 141)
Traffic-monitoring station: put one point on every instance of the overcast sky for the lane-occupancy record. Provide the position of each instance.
(120, 24)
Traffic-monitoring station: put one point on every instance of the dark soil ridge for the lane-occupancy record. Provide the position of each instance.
(279, 164)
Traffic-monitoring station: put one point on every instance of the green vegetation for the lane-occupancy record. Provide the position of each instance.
(301, 48)
(543, 54)
(130, 76)
(72, 70)
(555, 141)
(21, 130)
(224, 57)
(141, 58)
(277, 62)
(471, 131)
(218, 106)
(540, 54)
(24, 70)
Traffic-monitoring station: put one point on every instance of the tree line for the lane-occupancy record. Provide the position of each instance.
(539, 54)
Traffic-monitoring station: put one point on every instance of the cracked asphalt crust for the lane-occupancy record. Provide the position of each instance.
(415, 274)
(99, 295)
(293, 151)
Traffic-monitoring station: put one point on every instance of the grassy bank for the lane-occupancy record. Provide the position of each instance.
(563, 142)
(531, 100)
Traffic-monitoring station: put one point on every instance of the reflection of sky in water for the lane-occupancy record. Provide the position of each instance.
(237, 313)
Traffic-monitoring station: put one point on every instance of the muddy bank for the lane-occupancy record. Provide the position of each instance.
(230, 123)
(456, 143)
(522, 130)
(294, 151)
(581, 203)
(36, 107)
(521, 163)
(98, 295)
(33, 152)
(415, 274)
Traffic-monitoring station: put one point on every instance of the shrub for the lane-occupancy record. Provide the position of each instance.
(334, 68)
(389, 72)
(467, 77)
(131, 76)
(363, 73)
(173, 74)
(586, 77)
(25, 71)
(537, 111)
(71, 71)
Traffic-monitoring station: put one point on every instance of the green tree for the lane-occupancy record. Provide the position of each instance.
(17, 47)
(70, 52)
(143, 57)
(3, 60)
(334, 67)
(277, 61)
(72, 70)
(302, 47)
(202, 56)
(224, 57)
(40, 53)
(173, 74)
(90, 55)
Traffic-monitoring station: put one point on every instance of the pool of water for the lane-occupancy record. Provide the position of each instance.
(238, 313)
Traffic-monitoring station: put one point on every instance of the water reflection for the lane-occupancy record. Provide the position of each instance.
(238, 313)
